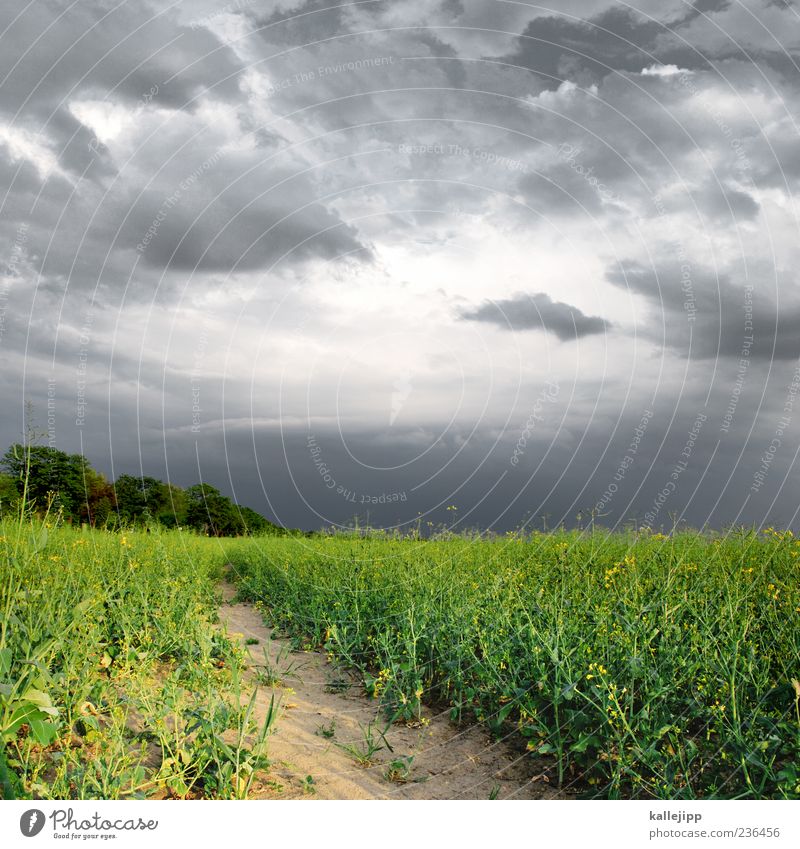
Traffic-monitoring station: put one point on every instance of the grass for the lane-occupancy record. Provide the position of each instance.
(114, 682)
(643, 666)
(373, 740)
(636, 665)
(327, 731)
(275, 673)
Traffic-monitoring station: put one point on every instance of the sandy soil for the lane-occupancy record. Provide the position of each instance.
(450, 762)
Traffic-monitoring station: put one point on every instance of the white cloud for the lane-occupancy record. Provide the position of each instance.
(663, 71)
(105, 119)
(23, 144)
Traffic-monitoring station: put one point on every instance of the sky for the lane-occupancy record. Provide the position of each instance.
(472, 263)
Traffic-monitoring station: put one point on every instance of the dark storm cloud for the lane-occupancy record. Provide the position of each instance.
(313, 20)
(291, 175)
(623, 39)
(51, 54)
(149, 64)
(246, 227)
(707, 6)
(725, 203)
(709, 314)
(537, 311)
(571, 467)
(125, 53)
(561, 48)
(563, 190)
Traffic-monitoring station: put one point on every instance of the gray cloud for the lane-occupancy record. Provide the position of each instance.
(559, 48)
(623, 39)
(708, 314)
(537, 311)
(313, 266)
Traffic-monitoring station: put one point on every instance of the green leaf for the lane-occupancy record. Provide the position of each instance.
(22, 715)
(504, 712)
(43, 732)
(5, 661)
(569, 691)
(84, 605)
(583, 744)
(177, 786)
(41, 700)
(40, 543)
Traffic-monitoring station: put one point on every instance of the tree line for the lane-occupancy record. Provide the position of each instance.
(66, 483)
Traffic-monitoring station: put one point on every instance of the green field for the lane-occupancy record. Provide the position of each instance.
(113, 681)
(635, 665)
(646, 666)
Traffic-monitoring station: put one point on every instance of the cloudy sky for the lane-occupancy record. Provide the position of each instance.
(380, 258)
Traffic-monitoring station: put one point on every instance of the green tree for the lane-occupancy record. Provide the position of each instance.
(99, 500)
(255, 523)
(51, 471)
(9, 496)
(211, 512)
(175, 505)
(142, 498)
(131, 498)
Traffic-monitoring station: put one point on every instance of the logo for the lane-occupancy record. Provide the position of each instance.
(31, 822)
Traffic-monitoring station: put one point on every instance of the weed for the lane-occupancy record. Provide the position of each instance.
(399, 769)
(327, 731)
(275, 673)
(644, 665)
(114, 682)
(372, 741)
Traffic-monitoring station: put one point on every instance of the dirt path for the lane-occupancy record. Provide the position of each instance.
(449, 762)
